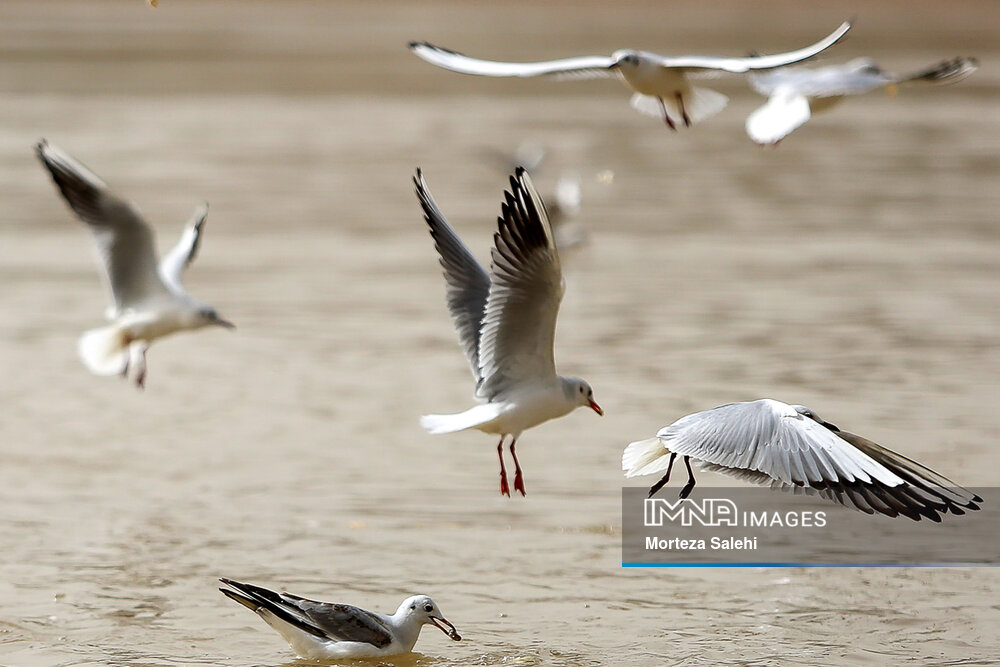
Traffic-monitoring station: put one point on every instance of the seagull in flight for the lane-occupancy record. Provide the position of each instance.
(148, 300)
(330, 631)
(506, 322)
(795, 93)
(791, 447)
(661, 83)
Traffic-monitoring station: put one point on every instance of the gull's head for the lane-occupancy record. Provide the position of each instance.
(423, 610)
(864, 66)
(208, 316)
(627, 59)
(580, 393)
(813, 415)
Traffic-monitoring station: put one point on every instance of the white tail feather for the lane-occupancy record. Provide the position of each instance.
(471, 418)
(645, 457)
(103, 350)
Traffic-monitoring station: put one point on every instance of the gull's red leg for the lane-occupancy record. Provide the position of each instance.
(684, 113)
(666, 116)
(140, 378)
(504, 489)
(518, 478)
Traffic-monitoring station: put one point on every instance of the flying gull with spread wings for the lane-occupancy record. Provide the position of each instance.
(661, 83)
(506, 322)
(148, 300)
(790, 447)
(330, 631)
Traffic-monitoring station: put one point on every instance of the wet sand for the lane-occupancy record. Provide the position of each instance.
(854, 269)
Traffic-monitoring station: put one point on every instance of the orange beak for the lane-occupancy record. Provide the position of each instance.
(446, 627)
(596, 408)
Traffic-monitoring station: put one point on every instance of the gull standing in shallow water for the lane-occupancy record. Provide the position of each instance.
(660, 83)
(148, 301)
(790, 447)
(795, 93)
(506, 322)
(329, 631)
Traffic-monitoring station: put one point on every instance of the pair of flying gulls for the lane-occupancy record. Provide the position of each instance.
(662, 84)
(506, 324)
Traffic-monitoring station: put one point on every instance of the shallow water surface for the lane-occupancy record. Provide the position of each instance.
(853, 269)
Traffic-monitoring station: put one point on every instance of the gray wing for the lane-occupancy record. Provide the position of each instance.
(343, 622)
(326, 620)
(856, 77)
(757, 62)
(124, 241)
(581, 67)
(172, 264)
(468, 284)
(770, 437)
(518, 328)
(772, 443)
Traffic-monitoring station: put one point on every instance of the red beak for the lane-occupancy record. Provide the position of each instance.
(446, 627)
(596, 408)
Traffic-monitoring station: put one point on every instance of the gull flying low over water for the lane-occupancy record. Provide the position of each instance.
(795, 93)
(148, 300)
(660, 83)
(506, 322)
(790, 447)
(330, 631)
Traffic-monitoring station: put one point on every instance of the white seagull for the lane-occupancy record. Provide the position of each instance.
(795, 93)
(660, 82)
(790, 447)
(148, 300)
(506, 322)
(330, 631)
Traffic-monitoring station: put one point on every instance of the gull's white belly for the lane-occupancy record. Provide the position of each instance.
(657, 81)
(527, 409)
(149, 325)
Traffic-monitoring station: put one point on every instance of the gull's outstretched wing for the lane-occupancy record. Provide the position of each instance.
(946, 71)
(325, 620)
(757, 62)
(581, 67)
(770, 437)
(775, 120)
(468, 282)
(518, 329)
(124, 241)
(789, 447)
(172, 264)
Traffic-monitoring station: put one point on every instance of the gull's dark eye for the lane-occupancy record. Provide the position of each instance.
(428, 608)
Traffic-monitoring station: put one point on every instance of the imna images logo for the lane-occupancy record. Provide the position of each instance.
(714, 512)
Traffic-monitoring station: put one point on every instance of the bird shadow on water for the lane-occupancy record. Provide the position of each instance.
(405, 660)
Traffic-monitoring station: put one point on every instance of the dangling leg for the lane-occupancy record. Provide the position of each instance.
(128, 358)
(504, 489)
(140, 378)
(684, 113)
(686, 491)
(518, 478)
(666, 116)
(663, 480)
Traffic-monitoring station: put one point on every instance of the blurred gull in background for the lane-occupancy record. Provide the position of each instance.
(795, 93)
(148, 300)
